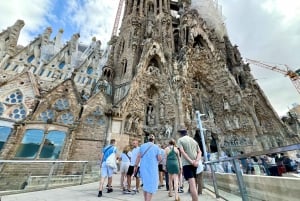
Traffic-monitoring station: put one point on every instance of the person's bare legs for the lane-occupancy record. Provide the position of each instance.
(102, 180)
(123, 179)
(147, 196)
(128, 182)
(137, 183)
(171, 184)
(199, 183)
(175, 181)
(101, 183)
(193, 189)
(161, 178)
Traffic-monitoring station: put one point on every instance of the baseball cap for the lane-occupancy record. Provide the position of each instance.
(182, 131)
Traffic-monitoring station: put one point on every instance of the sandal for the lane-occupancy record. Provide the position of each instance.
(178, 199)
(170, 194)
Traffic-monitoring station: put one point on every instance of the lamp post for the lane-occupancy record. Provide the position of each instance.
(199, 125)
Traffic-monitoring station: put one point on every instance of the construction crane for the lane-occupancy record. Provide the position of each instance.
(117, 18)
(293, 75)
(114, 33)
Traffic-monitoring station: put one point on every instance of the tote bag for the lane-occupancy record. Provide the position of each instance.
(111, 161)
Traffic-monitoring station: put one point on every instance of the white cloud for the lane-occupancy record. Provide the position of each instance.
(93, 18)
(267, 30)
(33, 12)
(288, 9)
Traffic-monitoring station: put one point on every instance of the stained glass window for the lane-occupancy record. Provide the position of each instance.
(98, 112)
(18, 113)
(29, 60)
(14, 98)
(66, 118)
(89, 120)
(89, 70)
(61, 65)
(101, 122)
(47, 115)
(62, 104)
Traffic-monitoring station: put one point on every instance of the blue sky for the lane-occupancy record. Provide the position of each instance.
(88, 17)
(265, 30)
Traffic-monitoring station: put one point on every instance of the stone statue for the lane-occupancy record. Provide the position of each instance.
(162, 111)
(129, 124)
(149, 29)
(226, 104)
(168, 130)
(150, 115)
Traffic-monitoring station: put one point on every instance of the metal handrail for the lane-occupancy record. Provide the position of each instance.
(40, 161)
(54, 163)
(238, 172)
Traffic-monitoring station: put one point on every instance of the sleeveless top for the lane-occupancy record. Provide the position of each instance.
(172, 162)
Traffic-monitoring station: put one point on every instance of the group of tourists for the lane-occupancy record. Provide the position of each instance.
(150, 163)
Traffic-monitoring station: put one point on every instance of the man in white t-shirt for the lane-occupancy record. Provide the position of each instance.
(133, 156)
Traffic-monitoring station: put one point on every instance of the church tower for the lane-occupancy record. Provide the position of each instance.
(173, 58)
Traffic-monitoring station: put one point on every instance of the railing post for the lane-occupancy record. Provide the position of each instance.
(240, 180)
(83, 172)
(214, 180)
(50, 175)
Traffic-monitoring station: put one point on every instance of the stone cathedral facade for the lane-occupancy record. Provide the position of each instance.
(65, 101)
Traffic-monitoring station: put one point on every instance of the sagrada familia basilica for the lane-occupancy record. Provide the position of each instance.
(170, 59)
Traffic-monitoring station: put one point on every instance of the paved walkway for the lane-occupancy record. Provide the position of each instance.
(88, 192)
